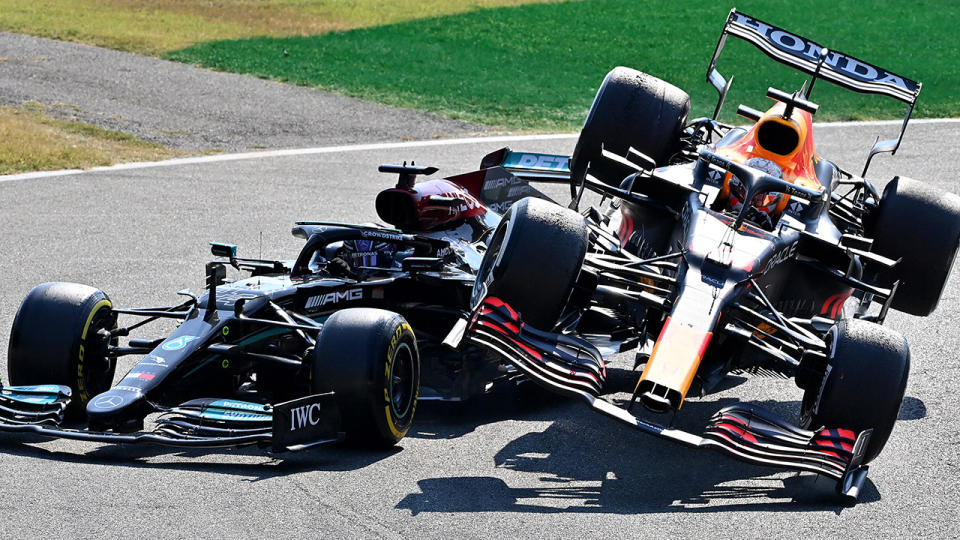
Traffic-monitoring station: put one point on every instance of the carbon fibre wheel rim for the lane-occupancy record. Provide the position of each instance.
(402, 382)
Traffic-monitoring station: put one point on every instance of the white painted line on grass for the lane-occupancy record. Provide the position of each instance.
(389, 146)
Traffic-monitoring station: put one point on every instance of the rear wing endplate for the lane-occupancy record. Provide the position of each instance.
(813, 59)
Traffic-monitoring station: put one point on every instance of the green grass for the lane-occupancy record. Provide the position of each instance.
(153, 27)
(537, 67)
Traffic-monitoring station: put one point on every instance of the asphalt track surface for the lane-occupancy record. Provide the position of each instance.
(506, 465)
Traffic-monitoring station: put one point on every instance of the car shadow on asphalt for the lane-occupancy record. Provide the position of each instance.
(452, 420)
(585, 462)
(251, 463)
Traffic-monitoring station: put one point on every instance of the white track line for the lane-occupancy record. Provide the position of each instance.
(290, 152)
(868, 123)
(388, 146)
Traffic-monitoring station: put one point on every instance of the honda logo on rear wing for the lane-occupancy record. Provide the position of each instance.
(803, 54)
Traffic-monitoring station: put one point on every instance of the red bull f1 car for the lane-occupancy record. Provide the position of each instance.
(722, 249)
(716, 249)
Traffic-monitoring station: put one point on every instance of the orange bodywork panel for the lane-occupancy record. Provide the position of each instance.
(676, 356)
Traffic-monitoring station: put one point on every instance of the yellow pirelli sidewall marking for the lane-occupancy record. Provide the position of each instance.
(394, 341)
(81, 386)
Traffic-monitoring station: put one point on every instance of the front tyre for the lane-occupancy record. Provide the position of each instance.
(533, 260)
(58, 337)
(864, 385)
(631, 109)
(369, 359)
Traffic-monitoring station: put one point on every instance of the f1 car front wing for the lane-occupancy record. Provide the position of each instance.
(573, 367)
(200, 423)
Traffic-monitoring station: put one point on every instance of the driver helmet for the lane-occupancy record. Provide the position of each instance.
(363, 255)
(765, 208)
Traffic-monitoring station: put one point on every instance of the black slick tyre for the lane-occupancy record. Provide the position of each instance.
(864, 385)
(369, 359)
(921, 226)
(56, 338)
(631, 109)
(533, 260)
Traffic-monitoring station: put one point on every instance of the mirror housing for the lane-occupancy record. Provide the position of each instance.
(219, 249)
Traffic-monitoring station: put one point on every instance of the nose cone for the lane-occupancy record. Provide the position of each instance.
(115, 409)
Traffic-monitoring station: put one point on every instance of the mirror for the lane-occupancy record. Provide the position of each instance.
(220, 249)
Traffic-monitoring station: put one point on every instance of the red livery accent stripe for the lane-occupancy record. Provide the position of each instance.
(833, 305)
(626, 229)
(532, 352)
(847, 434)
(704, 343)
(496, 302)
(499, 326)
(746, 435)
(496, 327)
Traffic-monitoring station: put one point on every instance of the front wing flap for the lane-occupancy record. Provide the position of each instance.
(39, 404)
(562, 363)
(754, 435)
(200, 423)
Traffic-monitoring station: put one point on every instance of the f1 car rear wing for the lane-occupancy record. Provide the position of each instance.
(529, 165)
(809, 57)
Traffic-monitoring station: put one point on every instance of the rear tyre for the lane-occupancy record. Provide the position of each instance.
(56, 339)
(921, 226)
(533, 260)
(630, 109)
(864, 386)
(368, 358)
